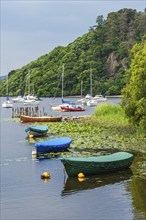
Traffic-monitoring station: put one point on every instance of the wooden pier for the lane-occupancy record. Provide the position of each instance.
(36, 112)
(29, 111)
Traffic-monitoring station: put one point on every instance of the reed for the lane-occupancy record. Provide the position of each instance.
(110, 113)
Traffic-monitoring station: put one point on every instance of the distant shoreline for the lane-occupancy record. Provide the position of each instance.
(110, 96)
(113, 96)
(76, 96)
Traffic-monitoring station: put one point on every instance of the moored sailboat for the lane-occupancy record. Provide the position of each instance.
(88, 97)
(7, 103)
(72, 108)
(64, 102)
(30, 98)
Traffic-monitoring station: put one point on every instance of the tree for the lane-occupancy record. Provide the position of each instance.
(134, 94)
(105, 47)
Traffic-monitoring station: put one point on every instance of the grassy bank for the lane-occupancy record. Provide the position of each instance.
(106, 129)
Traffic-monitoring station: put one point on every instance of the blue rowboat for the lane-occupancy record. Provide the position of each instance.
(37, 131)
(97, 165)
(53, 145)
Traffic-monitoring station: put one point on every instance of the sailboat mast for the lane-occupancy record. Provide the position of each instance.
(81, 88)
(62, 79)
(91, 81)
(7, 85)
(29, 82)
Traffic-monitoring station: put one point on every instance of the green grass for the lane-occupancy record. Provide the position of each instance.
(110, 113)
(107, 128)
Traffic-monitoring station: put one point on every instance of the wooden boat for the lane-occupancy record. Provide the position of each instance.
(72, 108)
(37, 131)
(53, 145)
(97, 165)
(25, 119)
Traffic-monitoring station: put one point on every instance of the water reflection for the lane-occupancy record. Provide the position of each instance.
(45, 180)
(74, 185)
(138, 189)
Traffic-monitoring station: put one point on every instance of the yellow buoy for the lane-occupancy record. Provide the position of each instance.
(45, 180)
(81, 175)
(45, 175)
(31, 136)
(81, 179)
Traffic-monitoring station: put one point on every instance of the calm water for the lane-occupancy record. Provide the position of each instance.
(24, 195)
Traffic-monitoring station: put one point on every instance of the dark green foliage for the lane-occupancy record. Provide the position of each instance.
(134, 94)
(105, 49)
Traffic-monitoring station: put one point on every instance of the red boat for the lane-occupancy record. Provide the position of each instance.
(72, 108)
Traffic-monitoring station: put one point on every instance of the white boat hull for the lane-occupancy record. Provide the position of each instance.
(7, 105)
(58, 107)
(31, 102)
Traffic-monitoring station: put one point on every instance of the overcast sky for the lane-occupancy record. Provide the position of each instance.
(30, 29)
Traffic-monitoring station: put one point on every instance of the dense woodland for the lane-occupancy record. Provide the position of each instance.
(134, 93)
(105, 50)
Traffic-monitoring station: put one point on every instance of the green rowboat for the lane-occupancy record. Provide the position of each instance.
(97, 165)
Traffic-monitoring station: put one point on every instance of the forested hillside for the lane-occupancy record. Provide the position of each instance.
(104, 49)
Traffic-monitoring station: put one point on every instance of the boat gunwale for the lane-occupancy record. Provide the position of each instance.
(39, 117)
(98, 159)
(51, 143)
